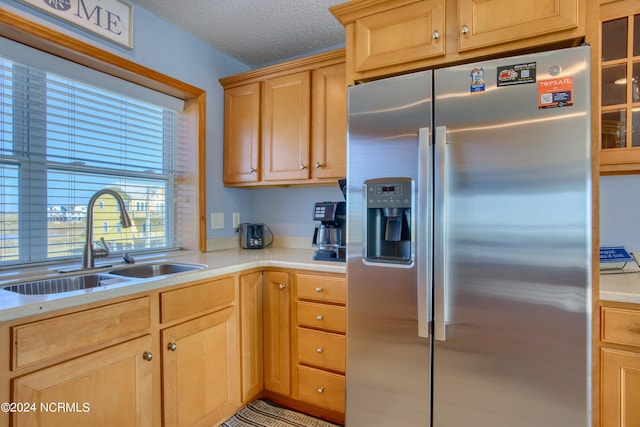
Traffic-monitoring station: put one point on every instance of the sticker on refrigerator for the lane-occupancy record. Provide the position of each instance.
(555, 93)
(518, 74)
(477, 80)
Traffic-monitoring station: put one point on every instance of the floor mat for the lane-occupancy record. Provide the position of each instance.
(262, 414)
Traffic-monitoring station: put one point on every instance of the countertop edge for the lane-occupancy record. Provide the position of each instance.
(218, 263)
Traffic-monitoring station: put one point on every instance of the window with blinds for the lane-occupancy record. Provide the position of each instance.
(66, 132)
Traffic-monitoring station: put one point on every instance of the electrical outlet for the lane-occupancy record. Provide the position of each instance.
(217, 220)
(236, 220)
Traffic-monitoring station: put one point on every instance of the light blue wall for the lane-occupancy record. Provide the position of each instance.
(162, 47)
(620, 211)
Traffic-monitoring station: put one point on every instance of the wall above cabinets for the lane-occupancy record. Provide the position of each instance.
(286, 124)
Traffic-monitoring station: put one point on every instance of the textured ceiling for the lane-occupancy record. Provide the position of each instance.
(255, 32)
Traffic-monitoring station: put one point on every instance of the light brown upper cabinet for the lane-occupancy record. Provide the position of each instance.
(386, 37)
(286, 127)
(286, 124)
(619, 85)
(329, 122)
(400, 35)
(242, 134)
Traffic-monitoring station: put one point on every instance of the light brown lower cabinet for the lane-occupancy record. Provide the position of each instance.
(321, 340)
(620, 365)
(110, 387)
(277, 331)
(186, 355)
(201, 370)
(251, 336)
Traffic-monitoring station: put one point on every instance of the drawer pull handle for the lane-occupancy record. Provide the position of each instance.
(321, 390)
(464, 30)
(147, 355)
(319, 350)
(281, 286)
(318, 289)
(319, 317)
(172, 346)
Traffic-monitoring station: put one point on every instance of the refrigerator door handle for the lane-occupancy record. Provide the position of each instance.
(424, 205)
(439, 256)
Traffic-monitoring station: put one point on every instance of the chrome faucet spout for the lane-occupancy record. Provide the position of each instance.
(89, 253)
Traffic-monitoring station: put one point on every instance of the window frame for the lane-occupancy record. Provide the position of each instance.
(30, 33)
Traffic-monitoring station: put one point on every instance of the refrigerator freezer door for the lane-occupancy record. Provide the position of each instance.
(388, 361)
(516, 243)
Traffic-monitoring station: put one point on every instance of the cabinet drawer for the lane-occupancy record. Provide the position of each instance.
(321, 388)
(321, 349)
(49, 338)
(321, 316)
(321, 288)
(198, 298)
(620, 326)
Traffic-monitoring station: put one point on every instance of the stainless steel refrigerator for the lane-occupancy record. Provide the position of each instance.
(469, 246)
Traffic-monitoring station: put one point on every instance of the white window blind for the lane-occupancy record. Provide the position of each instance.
(66, 132)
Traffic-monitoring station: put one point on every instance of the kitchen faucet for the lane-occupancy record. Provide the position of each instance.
(90, 253)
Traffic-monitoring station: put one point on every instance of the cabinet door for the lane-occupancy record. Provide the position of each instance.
(110, 387)
(491, 22)
(277, 331)
(397, 36)
(620, 87)
(242, 134)
(286, 114)
(251, 333)
(620, 391)
(330, 122)
(201, 370)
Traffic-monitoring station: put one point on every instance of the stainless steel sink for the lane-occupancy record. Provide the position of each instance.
(93, 280)
(153, 270)
(63, 284)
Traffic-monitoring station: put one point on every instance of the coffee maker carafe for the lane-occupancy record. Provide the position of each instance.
(329, 236)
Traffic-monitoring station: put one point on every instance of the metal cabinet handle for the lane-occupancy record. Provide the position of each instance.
(318, 165)
(319, 350)
(319, 317)
(172, 346)
(281, 286)
(252, 170)
(318, 289)
(302, 167)
(320, 390)
(464, 30)
(147, 355)
(436, 35)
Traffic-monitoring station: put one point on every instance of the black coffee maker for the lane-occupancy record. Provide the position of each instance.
(329, 237)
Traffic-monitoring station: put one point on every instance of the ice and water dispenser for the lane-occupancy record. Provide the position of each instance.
(388, 220)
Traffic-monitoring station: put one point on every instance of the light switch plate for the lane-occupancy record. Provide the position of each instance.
(217, 220)
(236, 220)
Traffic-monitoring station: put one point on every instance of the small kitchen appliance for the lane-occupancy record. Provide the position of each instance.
(329, 235)
(252, 236)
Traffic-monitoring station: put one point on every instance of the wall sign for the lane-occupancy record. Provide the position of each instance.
(111, 19)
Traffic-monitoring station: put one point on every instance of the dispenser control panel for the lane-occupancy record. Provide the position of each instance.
(388, 221)
(389, 194)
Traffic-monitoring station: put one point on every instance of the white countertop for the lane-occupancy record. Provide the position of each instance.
(624, 287)
(14, 305)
